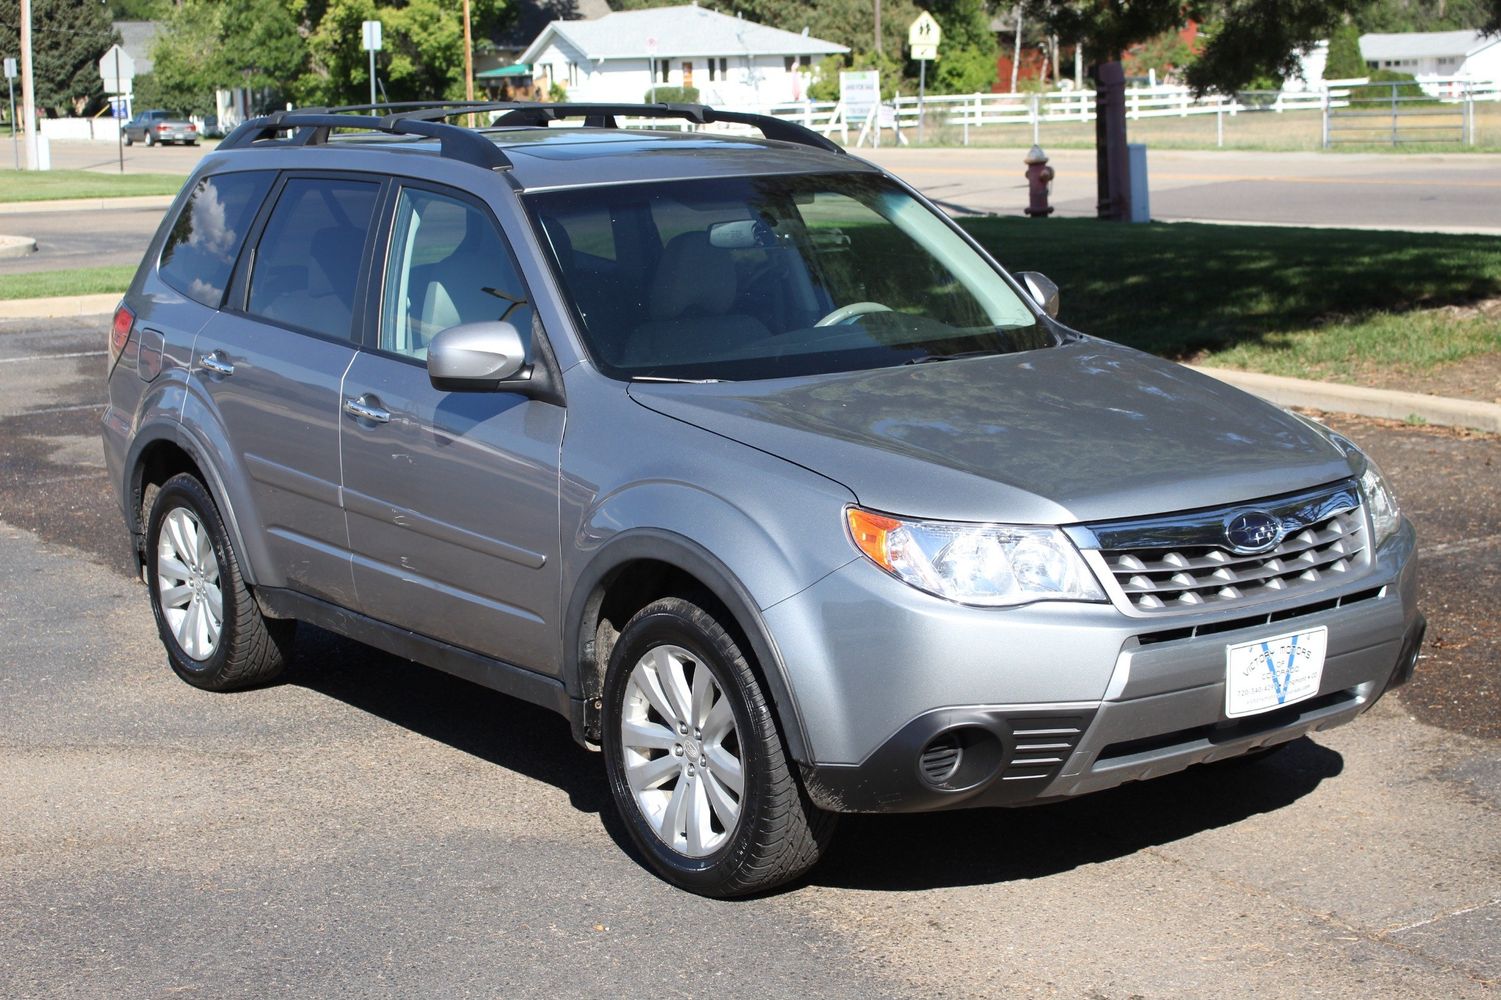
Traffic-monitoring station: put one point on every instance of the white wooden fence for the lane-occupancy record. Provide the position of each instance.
(1034, 109)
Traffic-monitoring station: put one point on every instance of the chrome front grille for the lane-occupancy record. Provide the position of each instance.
(1184, 561)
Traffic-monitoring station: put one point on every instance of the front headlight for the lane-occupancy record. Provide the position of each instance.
(1379, 499)
(1375, 492)
(987, 564)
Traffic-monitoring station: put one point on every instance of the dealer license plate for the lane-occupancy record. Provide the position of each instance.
(1270, 673)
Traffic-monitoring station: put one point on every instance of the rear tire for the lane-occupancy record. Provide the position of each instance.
(216, 636)
(695, 762)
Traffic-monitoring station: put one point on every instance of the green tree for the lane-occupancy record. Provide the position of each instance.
(67, 39)
(206, 45)
(422, 55)
(1345, 61)
(967, 56)
(1165, 53)
(1243, 39)
(1423, 15)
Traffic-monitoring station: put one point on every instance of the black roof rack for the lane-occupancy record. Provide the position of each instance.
(312, 126)
(603, 116)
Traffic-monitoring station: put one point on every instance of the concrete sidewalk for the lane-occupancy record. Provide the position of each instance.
(86, 204)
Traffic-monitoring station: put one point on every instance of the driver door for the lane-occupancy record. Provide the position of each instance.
(451, 497)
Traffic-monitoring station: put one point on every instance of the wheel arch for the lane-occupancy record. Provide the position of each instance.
(630, 571)
(159, 452)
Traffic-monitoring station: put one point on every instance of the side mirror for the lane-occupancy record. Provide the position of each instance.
(1042, 290)
(477, 357)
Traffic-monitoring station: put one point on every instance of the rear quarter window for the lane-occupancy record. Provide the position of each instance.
(205, 239)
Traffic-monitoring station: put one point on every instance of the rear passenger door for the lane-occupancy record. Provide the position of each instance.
(271, 362)
(452, 497)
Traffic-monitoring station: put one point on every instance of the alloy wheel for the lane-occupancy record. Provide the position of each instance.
(682, 751)
(187, 579)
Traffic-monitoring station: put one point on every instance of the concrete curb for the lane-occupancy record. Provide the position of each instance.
(1387, 403)
(85, 204)
(12, 247)
(70, 305)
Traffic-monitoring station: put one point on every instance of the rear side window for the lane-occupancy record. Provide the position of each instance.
(200, 251)
(307, 263)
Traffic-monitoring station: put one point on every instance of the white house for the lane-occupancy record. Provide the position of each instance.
(733, 62)
(1435, 54)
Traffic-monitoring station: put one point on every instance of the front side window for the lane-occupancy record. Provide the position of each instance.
(447, 266)
(307, 262)
(764, 277)
(204, 242)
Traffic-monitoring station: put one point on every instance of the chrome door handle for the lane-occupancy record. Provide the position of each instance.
(217, 364)
(366, 408)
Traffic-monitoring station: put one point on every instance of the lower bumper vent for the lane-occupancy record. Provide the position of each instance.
(940, 759)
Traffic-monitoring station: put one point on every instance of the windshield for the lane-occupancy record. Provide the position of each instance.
(764, 277)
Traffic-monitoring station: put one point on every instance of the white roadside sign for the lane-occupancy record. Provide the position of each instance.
(923, 37)
(115, 58)
(860, 92)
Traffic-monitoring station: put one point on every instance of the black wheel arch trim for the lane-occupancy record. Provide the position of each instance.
(177, 434)
(692, 558)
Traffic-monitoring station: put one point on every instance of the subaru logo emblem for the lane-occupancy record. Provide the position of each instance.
(1252, 531)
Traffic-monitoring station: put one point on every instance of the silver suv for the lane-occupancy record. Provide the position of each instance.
(737, 453)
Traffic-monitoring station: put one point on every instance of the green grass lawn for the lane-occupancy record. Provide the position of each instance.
(53, 284)
(1312, 303)
(42, 185)
(1301, 302)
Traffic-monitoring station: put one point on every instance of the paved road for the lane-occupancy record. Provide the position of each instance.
(1454, 193)
(89, 238)
(373, 828)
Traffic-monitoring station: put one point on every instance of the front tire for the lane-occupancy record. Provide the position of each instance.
(695, 762)
(128, 140)
(216, 636)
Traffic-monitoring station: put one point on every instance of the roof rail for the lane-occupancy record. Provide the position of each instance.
(312, 127)
(603, 115)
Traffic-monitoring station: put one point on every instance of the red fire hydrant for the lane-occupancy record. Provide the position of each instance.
(1039, 182)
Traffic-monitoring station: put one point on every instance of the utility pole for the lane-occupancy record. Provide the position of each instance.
(878, 27)
(468, 57)
(28, 92)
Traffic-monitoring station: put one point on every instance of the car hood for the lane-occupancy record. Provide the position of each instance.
(1085, 431)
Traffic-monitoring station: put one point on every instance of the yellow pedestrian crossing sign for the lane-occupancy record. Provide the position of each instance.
(923, 37)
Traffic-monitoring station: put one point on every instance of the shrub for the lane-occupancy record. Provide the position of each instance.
(673, 95)
(1345, 61)
(1407, 84)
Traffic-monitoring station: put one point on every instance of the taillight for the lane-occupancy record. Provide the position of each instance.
(192, 127)
(119, 331)
(163, 128)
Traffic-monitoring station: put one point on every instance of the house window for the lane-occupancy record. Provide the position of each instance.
(724, 68)
(664, 70)
(805, 62)
(687, 74)
(573, 74)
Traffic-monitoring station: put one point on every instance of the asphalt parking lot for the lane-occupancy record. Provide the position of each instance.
(368, 827)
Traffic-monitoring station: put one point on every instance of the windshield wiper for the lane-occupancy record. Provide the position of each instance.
(685, 381)
(928, 358)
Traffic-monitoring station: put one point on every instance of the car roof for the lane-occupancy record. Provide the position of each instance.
(560, 156)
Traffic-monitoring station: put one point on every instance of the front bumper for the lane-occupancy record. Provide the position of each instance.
(1133, 700)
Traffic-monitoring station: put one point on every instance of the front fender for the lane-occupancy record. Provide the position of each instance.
(756, 560)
